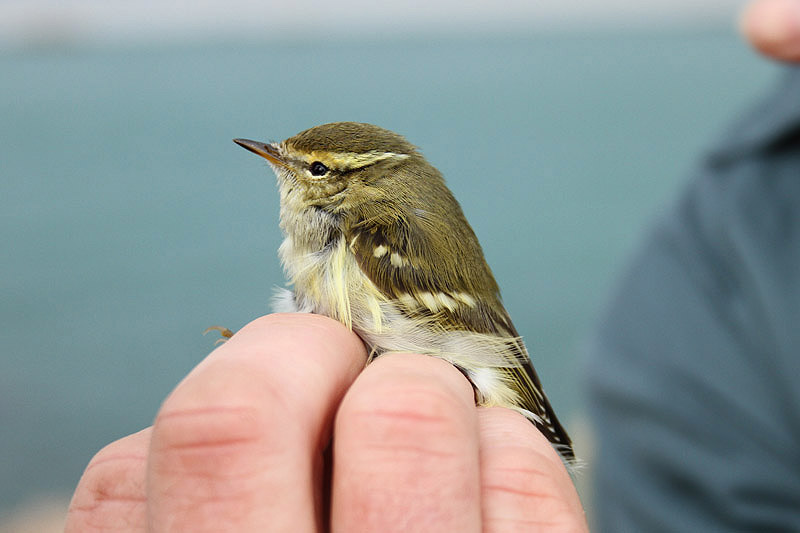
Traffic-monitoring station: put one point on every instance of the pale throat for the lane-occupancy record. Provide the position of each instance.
(319, 264)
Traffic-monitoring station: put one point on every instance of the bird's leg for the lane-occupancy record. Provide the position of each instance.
(225, 333)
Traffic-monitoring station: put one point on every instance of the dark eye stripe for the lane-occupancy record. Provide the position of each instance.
(318, 169)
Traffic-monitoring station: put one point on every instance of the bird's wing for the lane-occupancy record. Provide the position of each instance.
(408, 263)
(401, 260)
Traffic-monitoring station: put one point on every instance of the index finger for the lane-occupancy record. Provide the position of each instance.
(238, 445)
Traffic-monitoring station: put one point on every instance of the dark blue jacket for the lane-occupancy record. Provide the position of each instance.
(695, 370)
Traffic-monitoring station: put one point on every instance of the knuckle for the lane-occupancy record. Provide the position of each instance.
(418, 417)
(518, 472)
(197, 439)
(111, 491)
(523, 479)
(421, 401)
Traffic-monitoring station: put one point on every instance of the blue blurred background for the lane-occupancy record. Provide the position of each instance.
(130, 221)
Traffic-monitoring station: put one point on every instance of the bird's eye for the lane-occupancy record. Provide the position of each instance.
(318, 169)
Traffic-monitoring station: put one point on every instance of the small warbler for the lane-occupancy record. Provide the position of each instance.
(376, 240)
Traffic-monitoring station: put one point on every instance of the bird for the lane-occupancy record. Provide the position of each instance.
(375, 239)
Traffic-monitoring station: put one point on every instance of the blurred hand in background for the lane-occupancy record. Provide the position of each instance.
(773, 28)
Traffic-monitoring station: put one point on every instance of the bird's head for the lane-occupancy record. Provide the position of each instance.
(338, 165)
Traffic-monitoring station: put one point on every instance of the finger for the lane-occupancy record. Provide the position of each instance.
(773, 28)
(111, 492)
(406, 450)
(238, 445)
(524, 485)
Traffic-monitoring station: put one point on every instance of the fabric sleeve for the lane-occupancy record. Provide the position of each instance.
(695, 369)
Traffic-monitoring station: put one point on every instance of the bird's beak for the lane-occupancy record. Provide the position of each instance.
(267, 151)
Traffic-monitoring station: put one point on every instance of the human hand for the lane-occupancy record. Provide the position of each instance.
(243, 444)
(773, 28)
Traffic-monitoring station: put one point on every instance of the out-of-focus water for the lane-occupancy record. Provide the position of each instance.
(130, 221)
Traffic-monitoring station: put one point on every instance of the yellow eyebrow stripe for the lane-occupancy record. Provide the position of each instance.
(343, 160)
